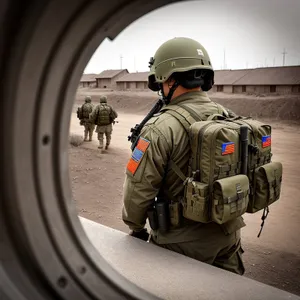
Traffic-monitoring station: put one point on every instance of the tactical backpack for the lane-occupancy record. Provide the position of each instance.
(86, 109)
(230, 167)
(103, 115)
(79, 113)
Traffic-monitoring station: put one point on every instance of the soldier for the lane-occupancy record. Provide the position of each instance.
(83, 114)
(103, 116)
(181, 70)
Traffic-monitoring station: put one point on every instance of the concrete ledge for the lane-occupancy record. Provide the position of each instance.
(169, 275)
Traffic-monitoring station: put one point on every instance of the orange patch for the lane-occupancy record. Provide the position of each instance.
(142, 144)
(132, 166)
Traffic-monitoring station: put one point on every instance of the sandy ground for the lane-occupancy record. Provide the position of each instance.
(274, 258)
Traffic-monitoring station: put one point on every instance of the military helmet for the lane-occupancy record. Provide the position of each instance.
(175, 56)
(88, 99)
(103, 99)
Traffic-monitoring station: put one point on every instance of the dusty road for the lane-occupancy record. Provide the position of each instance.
(274, 258)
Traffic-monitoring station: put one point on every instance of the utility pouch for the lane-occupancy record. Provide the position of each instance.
(79, 113)
(163, 218)
(175, 214)
(152, 217)
(266, 186)
(196, 202)
(230, 198)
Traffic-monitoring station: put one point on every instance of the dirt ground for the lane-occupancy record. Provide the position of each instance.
(97, 179)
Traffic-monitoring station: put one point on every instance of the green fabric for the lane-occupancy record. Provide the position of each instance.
(267, 186)
(79, 113)
(216, 249)
(206, 140)
(230, 198)
(86, 109)
(210, 163)
(174, 135)
(88, 99)
(103, 115)
(103, 99)
(261, 171)
(168, 141)
(196, 205)
(178, 55)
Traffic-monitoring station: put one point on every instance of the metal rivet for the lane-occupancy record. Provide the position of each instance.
(62, 282)
(46, 139)
(82, 270)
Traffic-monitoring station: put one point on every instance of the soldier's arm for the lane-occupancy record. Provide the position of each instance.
(114, 113)
(93, 115)
(144, 174)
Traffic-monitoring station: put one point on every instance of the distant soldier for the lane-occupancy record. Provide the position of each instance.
(83, 114)
(103, 116)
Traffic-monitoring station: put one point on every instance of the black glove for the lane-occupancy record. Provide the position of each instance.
(142, 235)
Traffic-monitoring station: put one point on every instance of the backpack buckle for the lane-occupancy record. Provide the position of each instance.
(239, 192)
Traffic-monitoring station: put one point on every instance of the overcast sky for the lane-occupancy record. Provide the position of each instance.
(253, 34)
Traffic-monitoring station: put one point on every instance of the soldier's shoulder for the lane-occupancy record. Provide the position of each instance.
(164, 123)
(158, 118)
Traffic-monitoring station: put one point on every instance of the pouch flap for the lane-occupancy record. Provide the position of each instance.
(232, 188)
(273, 173)
(200, 188)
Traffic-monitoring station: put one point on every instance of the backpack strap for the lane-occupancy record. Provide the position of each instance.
(186, 118)
(197, 116)
(222, 110)
(177, 170)
(181, 113)
(216, 117)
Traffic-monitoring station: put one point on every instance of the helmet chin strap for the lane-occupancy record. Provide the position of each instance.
(167, 98)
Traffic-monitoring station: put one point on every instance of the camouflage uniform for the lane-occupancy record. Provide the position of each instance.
(149, 173)
(103, 116)
(89, 127)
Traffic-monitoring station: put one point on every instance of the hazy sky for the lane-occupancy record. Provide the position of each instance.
(253, 34)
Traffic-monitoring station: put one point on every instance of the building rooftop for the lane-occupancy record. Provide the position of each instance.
(110, 73)
(88, 78)
(271, 76)
(228, 77)
(134, 77)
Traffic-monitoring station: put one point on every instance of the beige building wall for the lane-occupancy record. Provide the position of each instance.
(258, 89)
(227, 89)
(132, 85)
(296, 89)
(104, 83)
(121, 86)
(141, 85)
(284, 89)
(238, 89)
(116, 78)
(213, 89)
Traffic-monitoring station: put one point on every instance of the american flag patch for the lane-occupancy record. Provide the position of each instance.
(266, 141)
(137, 155)
(227, 148)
